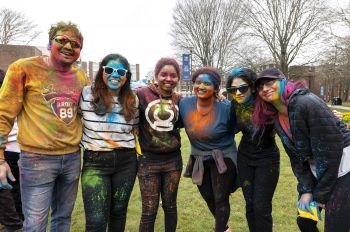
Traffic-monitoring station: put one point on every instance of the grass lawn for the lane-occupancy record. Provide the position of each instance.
(193, 214)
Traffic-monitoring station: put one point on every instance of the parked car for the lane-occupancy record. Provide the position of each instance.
(337, 101)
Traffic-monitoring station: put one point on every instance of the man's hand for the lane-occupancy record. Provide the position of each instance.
(304, 202)
(5, 172)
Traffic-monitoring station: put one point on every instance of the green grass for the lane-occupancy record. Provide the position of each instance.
(193, 214)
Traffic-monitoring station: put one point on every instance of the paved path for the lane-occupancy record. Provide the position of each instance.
(340, 107)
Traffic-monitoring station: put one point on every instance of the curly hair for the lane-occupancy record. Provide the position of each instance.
(102, 102)
(65, 26)
(245, 74)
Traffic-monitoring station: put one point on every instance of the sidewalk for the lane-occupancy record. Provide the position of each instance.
(339, 107)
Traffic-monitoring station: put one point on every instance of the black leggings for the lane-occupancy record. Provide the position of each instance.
(216, 189)
(159, 178)
(258, 185)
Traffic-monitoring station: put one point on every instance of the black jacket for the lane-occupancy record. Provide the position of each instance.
(319, 137)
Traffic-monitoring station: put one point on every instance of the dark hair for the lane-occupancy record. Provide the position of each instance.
(102, 102)
(2, 76)
(166, 61)
(65, 26)
(213, 72)
(245, 74)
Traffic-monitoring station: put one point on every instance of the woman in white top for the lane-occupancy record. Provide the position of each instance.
(109, 115)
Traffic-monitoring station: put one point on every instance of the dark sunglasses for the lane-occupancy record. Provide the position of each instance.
(242, 89)
(268, 83)
(63, 40)
(110, 70)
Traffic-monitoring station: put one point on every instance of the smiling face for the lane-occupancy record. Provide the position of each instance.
(268, 90)
(204, 86)
(65, 49)
(240, 90)
(167, 80)
(114, 75)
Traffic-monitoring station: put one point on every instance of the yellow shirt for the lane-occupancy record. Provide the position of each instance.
(45, 102)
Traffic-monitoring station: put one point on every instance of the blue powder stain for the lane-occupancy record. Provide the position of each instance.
(111, 117)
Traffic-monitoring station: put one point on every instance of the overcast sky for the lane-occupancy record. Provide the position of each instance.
(137, 29)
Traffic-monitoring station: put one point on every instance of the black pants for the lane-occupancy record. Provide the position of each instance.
(159, 178)
(216, 189)
(11, 215)
(337, 213)
(107, 180)
(258, 184)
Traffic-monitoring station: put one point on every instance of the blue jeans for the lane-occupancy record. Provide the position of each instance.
(48, 181)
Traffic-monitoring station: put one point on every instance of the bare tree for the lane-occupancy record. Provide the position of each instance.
(286, 26)
(15, 27)
(207, 28)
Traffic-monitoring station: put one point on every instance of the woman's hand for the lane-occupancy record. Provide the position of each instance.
(304, 202)
(338, 114)
(323, 206)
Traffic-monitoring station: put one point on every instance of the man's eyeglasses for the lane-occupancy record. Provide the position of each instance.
(110, 70)
(242, 89)
(63, 40)
(268, 83)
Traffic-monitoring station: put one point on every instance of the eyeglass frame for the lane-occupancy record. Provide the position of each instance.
(114, 70)
(260, 86)
(71, 42)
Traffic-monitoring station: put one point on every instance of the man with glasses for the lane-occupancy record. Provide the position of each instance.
(43, 93)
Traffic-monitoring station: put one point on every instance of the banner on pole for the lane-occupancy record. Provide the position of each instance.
(186, 67)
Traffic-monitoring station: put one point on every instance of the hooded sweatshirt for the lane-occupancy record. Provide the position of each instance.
(158, 127)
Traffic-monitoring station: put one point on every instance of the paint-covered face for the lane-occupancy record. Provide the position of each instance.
(269, 90)
(204, 86)
(114, 75)
(240, 90)
(167, 79)
(65, 49)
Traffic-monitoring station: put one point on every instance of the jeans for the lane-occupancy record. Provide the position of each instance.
(48, 181)
(159, 178)
(258, 184)
(216, 189)
(11, 215)
(107, 181)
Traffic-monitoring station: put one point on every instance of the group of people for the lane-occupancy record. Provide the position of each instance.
(58, 111)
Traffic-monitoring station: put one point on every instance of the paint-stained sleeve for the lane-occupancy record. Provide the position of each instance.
(233, 120)
(11, 100)
(180, 123)
(319, 133)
